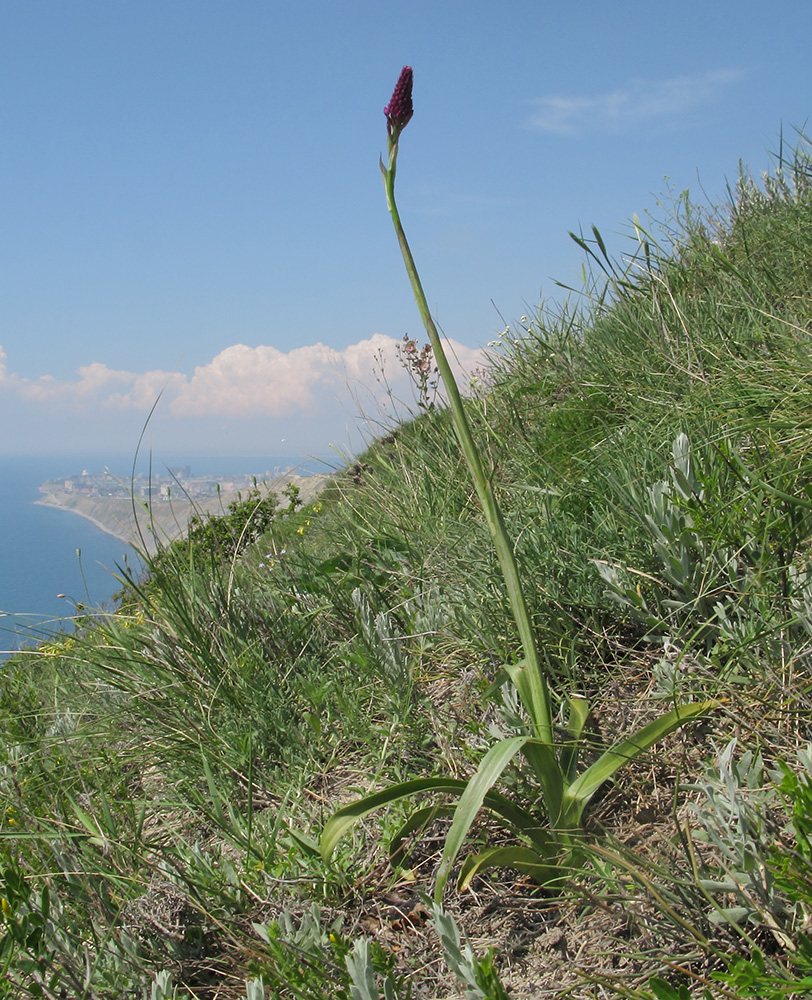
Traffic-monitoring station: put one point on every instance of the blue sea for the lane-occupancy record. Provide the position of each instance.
(45, 552)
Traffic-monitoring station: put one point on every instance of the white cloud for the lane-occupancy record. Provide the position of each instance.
(246, 381)
(637, 102)
(240, 382)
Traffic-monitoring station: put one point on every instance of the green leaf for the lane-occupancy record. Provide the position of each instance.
(665, 991)
(305, 842)
(416, 822)
(214, 792)
(531, 690)
(342, 820)
(539, 753)
(579, 714)
(584, 787)
(542, 760)
(730, 915)
(518, 819)
(490, 769)
(539, 867)
(91, 825)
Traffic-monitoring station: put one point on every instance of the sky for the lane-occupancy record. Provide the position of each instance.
(194, 239)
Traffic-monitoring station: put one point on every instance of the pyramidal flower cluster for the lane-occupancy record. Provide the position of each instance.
(399, 110)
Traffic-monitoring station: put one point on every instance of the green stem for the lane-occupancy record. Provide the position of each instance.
(532, 683)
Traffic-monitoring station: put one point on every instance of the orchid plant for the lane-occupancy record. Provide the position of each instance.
(546, 840)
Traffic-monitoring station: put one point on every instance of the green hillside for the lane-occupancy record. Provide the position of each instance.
(167, 771)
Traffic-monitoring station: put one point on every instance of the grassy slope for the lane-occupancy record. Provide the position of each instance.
(166, 772)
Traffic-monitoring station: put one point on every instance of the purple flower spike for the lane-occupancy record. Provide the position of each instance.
(399, 110)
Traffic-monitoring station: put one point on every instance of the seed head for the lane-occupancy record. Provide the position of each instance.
(399, 110)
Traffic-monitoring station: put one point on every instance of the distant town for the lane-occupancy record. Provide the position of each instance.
(171, 497)
(174, 484)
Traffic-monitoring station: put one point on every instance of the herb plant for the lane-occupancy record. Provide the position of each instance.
(546, 838)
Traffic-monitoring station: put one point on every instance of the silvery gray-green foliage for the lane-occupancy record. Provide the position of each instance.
(698, 577)
(387, 647)
(478, 976)
(427, 614)
(162, 988)
(254, 989)
(42, 950)
(511, 714)
(680, 673)
(309, 934)
(362, 975)
(683, 553)
(304, 954)
(733, 813)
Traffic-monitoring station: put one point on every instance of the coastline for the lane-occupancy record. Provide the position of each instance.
(50, 500)
(165, 521)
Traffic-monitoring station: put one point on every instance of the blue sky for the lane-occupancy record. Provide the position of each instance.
(190, 198)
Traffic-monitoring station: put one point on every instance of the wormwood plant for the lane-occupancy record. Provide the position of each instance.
(543, 851)
(477, 976)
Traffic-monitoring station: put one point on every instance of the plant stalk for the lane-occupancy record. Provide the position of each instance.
(532, 685)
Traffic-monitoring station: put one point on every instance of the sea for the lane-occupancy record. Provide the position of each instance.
(53, 561)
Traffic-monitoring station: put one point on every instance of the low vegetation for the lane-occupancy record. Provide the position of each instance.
(242, 782)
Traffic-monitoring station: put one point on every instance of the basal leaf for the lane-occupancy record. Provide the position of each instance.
(585, 785)
(539, 867)
(342, 820)
(493, 764)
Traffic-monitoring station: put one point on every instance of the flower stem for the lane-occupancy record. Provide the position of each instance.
(529, 678)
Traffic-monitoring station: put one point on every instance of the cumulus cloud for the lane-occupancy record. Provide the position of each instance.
(240, 382)
(637, 102)
(246, 381)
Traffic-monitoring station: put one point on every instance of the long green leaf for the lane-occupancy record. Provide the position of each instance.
(416, 823)
(342, 820)
(490, 769)
(584, 787)
(544, 764)
(539, 752)
(578, 717)
(519, 820)
(534, 699)
(539, 867)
